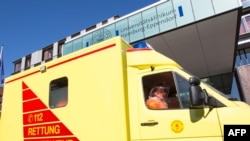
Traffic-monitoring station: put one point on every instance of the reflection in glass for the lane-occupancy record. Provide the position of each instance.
(135, 27)
(150, 22)
(123, 29)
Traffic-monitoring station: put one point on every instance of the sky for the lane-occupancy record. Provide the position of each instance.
(30, 25)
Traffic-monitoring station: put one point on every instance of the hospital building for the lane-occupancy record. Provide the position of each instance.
(209, 38)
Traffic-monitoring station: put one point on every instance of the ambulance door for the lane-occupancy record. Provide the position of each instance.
(178, 121)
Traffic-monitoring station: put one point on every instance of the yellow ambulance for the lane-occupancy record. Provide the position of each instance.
(99, 93)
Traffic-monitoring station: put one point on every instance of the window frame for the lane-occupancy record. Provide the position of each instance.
(58, 93)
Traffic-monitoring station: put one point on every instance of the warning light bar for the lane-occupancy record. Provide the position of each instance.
(142, 44)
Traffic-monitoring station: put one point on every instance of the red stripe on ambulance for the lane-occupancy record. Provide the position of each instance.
(54, 139)
(45, 130)
(38, 117)
(39, 122)
(33, 105)
(27, 93)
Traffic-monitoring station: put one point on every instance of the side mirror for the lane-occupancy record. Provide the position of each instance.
(195, 92)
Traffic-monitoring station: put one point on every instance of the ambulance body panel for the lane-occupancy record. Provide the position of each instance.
(98, 93)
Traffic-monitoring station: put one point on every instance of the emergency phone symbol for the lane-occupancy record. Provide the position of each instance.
(30, 118)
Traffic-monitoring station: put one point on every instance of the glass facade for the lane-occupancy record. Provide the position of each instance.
(165, 16)
(222, 82)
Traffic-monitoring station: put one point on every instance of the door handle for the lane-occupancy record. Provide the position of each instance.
(150, 123)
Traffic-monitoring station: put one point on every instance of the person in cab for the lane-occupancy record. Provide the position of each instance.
(157, 98)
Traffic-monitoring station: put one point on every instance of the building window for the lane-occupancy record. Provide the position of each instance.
(222, 82)
(17, 66)
(90, 28)
(75, 35)
(59, 51)
(47, 53)
(245, 3)
(27, 61)
(247, 18)
(104, 22)
(60, 47)
(245, 24)
(242, 28)
(58, 94)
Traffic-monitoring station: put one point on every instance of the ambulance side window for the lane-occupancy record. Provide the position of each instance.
(182, 87)
(166, 80)
(178, 93)
(58, 94)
